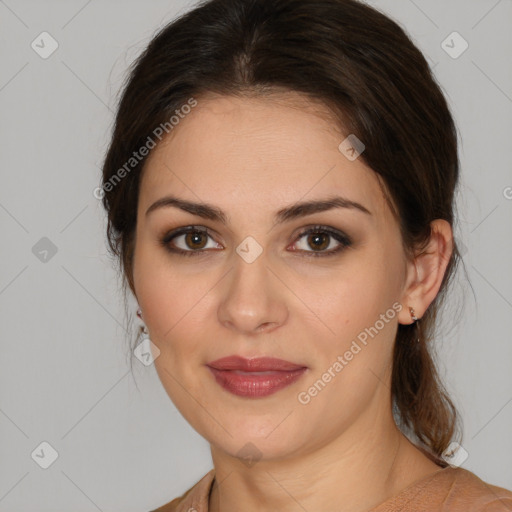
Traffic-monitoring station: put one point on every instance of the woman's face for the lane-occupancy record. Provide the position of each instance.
(254, 285)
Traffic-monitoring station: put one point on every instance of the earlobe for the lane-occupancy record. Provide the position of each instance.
(430, 266)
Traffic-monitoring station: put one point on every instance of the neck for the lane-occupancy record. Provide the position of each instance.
(356, 471)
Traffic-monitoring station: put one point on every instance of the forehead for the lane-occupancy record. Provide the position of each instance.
(259, 152)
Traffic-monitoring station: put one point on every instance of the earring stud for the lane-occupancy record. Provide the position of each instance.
(144, 328)
(413, 316)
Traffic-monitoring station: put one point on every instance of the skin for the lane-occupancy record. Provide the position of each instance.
(251, 157)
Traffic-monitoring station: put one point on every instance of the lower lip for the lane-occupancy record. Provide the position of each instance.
(255, 384)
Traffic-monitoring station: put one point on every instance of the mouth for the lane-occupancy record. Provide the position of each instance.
(255, 378)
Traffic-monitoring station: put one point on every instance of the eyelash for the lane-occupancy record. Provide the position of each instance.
(340, 237)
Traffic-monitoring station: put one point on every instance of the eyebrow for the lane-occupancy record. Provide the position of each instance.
(297, 210)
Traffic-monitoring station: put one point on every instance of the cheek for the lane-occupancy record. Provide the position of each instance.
(164, 295)
(175, 307)
(349, 299)
(353, 364)
(175, 311)
(180, 313)
(357, 317)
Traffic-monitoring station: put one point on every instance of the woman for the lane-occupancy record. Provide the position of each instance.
(280, 194)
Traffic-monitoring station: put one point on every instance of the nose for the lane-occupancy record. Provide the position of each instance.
(253, 299)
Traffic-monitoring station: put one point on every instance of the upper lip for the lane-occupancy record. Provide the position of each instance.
(257, 364)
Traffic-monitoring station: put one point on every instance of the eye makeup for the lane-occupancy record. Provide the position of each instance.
(314, 233)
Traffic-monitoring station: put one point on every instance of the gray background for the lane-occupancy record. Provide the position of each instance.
(64, 372)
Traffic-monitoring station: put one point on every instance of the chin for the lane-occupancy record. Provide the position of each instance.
(253, 449)
(257, 438)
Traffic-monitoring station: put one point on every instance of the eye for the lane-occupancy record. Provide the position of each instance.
(321, 238)
(193, 240)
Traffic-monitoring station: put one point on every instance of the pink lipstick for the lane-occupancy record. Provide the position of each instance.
(254, 378)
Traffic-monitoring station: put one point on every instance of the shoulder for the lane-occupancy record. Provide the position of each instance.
(169, 507)
(452, 489)
(458, 489)
(479, 496)
(195, 498)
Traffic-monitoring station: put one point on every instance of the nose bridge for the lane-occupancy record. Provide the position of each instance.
(252, 296)
(250, 271)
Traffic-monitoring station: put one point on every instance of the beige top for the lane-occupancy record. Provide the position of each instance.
(451, 489)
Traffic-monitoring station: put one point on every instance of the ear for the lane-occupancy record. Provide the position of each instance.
(426, 271)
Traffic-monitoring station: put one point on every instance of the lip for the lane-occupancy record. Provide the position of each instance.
(256, 364)
(254, 378)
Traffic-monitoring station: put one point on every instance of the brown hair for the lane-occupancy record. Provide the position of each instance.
(363, 66)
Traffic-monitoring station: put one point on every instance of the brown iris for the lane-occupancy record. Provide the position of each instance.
(191, 239)
(313, 240)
